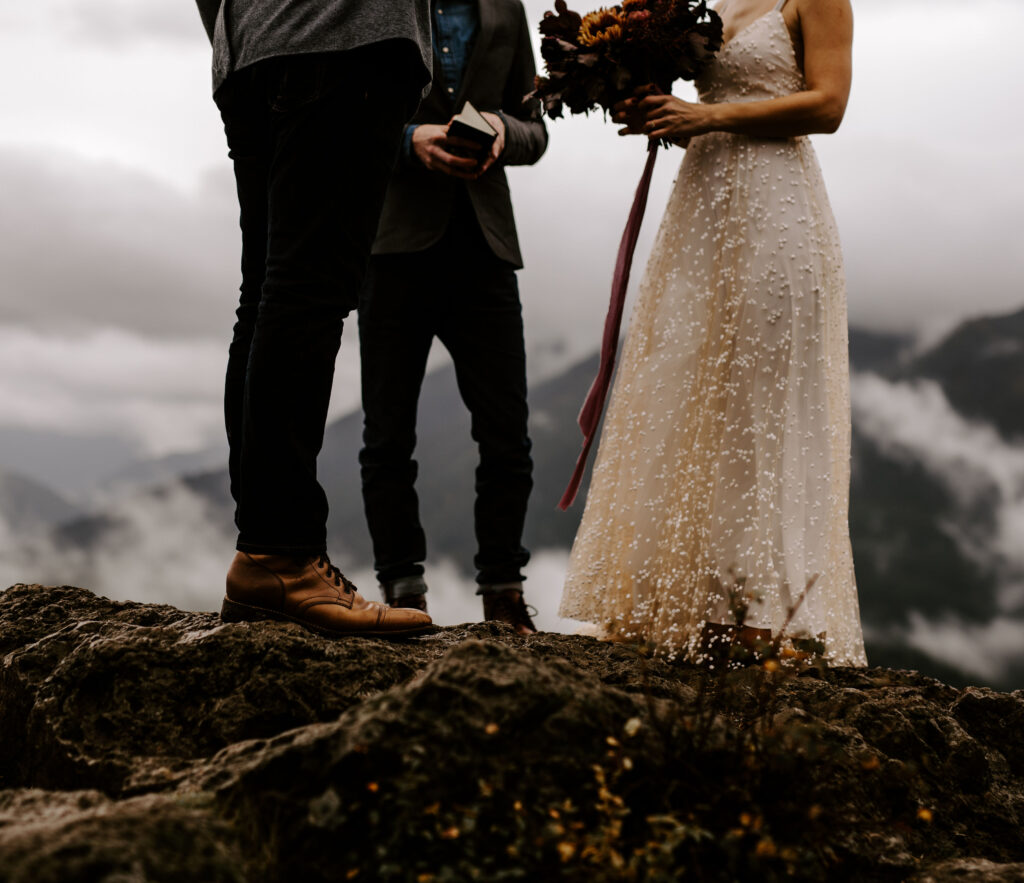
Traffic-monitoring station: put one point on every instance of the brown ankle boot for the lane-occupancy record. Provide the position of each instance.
(407, 591)
(314, 594)
(508, 606)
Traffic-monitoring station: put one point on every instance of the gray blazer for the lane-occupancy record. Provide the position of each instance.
(243, 32)
(499, 72)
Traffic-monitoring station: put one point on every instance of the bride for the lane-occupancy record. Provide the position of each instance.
(722, 477)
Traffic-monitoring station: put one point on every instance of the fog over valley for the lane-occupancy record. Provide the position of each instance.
(119, 248)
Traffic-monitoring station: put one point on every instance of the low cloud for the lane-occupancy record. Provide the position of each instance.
(914, 421)
(169, 546)
(87, 244)
(986, 651)
(160, 395)
(162, 548)
(116, 23)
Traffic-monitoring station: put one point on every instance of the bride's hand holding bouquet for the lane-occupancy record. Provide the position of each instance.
(662, 118)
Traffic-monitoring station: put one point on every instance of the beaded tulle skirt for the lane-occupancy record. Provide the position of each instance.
(723, 464)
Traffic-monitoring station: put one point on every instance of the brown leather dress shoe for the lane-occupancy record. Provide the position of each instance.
(508, 606)
(313, 593)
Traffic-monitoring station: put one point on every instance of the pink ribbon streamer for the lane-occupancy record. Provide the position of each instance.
(593, 406)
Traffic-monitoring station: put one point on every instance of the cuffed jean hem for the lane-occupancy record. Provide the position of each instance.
(405, 586)
(402, 571)
(495, 588)
(291, 551)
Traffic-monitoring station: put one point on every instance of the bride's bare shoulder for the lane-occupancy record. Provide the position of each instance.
(817, 20)
(838, 10)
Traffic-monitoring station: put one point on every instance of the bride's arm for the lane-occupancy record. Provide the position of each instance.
(826, 27)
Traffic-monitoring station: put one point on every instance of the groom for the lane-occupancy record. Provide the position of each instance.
(314, 97)
(443, 266)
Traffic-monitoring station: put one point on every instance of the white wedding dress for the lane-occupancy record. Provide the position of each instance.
(724, 459)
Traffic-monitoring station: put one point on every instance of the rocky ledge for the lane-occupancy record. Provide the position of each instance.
(143, 743)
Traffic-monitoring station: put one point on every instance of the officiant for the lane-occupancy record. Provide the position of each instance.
(444, 265)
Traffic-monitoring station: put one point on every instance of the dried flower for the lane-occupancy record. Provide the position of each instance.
(563, 23)
(600, 26)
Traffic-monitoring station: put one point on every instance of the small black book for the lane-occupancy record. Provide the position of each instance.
(470, 125)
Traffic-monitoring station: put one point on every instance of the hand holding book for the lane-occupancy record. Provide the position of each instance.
(498, 144)
(466, 148)
(438, 152)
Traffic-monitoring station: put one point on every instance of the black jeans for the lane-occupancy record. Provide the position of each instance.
(460, 292)
(313, 139)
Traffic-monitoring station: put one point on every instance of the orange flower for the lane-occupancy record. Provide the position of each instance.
(601, 26)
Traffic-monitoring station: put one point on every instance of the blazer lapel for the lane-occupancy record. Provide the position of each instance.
(480, 49)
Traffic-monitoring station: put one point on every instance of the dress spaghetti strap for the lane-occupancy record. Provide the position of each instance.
(779, 5)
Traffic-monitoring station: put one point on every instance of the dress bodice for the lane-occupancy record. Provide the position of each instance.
(758, 63)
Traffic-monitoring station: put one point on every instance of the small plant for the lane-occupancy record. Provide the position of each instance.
(727, 761)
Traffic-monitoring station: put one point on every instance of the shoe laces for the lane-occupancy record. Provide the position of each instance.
(521, 604)
(332, 572)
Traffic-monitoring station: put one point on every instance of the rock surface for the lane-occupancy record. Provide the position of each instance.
(142, 743)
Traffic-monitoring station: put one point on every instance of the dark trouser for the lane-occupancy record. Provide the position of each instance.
(460, 292)
(313, 139)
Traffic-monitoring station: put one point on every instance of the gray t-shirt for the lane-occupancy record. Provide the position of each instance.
(246, 31)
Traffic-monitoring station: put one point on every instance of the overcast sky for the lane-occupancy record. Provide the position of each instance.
(118, 240)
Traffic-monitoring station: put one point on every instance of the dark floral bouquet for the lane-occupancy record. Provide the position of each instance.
(598, 59)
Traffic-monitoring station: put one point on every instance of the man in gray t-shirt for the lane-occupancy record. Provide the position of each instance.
(313, 97)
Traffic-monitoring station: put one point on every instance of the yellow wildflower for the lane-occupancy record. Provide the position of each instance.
(600, 26)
